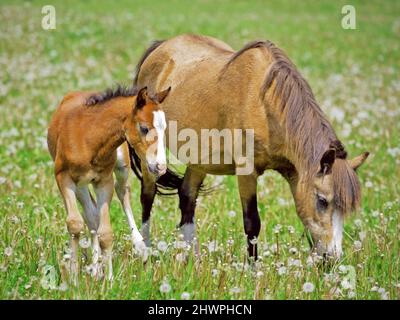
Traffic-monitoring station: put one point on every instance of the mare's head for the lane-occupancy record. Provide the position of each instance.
(323, 198)
(145, 130)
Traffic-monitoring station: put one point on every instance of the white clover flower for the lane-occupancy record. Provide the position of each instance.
(185, 296)
(362, 235)
(162, 246)
(351, 294)
(165, 287)
(3, 180)
(308, 287)
(259, 274)
(231, 214)
(369, 184)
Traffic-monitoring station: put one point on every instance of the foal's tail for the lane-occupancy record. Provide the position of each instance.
(166, 185)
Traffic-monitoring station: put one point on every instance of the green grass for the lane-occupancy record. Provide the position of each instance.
(98, 43)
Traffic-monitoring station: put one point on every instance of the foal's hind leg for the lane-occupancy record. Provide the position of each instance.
(104, 191)
(122, 189)
(75, 223)
(251, 218)
(188, 193)
(91, 216)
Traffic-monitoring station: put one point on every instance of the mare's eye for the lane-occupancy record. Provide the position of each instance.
(144, 130)
(322, 203)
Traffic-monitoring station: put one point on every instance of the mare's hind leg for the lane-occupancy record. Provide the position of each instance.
(188, 193)
(91, 216)
(148, 192)
(251, 218)
(122, 189)
(75, 223)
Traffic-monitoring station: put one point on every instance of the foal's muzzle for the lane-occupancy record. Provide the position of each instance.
(157, 169)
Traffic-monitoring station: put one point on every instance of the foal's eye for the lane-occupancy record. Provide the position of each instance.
(144, 130)
(322, 203)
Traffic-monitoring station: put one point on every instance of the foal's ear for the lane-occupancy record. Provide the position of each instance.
(141, 98)
(327, 161)
(359, 160)
(162, 95)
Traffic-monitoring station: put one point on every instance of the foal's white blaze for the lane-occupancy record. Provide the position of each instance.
(335, 247)
(160, 125)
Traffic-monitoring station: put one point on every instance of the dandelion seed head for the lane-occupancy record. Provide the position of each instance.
(308, 287)
(185, 296)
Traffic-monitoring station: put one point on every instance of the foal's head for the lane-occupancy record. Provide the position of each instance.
(145, 129)
(325, 196)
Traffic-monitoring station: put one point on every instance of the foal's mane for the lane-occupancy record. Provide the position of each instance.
(309, 133)
(110, 93)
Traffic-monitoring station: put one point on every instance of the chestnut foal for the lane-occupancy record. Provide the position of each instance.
(86, 141)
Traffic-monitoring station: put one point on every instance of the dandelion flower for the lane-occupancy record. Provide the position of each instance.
(308, 287)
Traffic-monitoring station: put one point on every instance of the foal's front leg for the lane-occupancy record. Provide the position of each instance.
(104, 191)
(122, 188)
(251, 218)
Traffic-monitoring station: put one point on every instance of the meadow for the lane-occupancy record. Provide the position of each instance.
(354, 75)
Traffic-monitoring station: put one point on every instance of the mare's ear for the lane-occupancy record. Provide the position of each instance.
(141, 98)
(327, 160)
(162, 95)
(359, 160)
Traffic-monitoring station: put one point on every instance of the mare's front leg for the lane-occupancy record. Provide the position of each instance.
(251, 218)
(188, 193)
(75, 223)
(122, 188)
(104, 191)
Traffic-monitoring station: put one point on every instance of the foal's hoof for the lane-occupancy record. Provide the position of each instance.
(142, 250)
